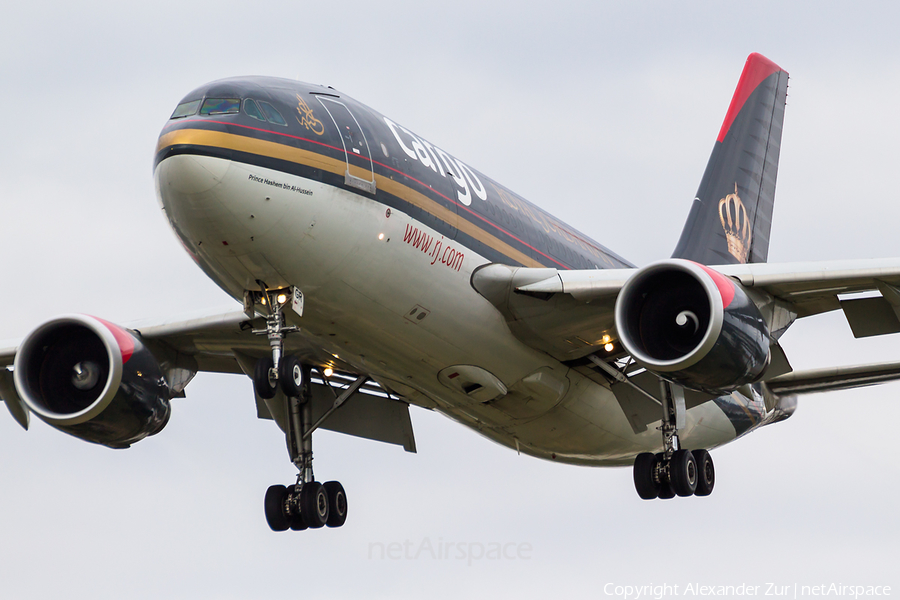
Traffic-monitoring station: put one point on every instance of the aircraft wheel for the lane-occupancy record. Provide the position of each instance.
(645, 481)
(706, 473)
(290, 376)
(297, 522)
(314, 504)
(683, 473)
(665, 486)
(665, 491)
(263, 381)
(337, 503)
(274, 506)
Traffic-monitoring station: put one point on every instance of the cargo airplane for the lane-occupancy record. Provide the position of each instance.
(376, 271)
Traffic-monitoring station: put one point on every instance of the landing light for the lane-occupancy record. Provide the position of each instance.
(282, 298)
(328, 372)
(262, 301)
(609, 347)
(380, 236)
(605, 339)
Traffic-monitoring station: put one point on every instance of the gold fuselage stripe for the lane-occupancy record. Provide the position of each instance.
(251, 145)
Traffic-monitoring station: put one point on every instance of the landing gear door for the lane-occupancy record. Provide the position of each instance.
(359, 173)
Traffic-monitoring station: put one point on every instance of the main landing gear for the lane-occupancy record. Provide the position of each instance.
(675, 471)
(307, 503)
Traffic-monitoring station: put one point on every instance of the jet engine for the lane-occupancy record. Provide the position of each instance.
(693, 326)
(93, 380)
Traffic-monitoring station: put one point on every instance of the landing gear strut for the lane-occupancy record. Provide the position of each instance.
(674, 471)
(269, 372)
(307, 504)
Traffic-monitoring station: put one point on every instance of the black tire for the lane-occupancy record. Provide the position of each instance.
(262, 382)
(297, 522)
(706, 473)
(290, 376)
(314, 504)
(645, 480)
(683, 473)
(665, 488)
(274, 506)
(337, 503)
(665, 491)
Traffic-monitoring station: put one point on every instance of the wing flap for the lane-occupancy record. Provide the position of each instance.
(870, 316)
(369, 413)
(640, 410)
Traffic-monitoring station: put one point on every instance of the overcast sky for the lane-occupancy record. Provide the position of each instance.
(603, 113)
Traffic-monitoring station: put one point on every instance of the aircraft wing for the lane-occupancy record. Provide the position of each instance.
(7, 354)
(213, 341)
(815, 287)
(568, 313)
(833, 378)
(223, 342)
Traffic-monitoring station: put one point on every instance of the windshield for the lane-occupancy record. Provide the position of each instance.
(185, 109)
(218, 106)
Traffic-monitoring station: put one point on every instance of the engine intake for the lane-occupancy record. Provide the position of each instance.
(93, 380)
(693, 326)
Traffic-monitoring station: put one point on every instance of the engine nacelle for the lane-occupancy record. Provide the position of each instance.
(693, 326)
(93, 380)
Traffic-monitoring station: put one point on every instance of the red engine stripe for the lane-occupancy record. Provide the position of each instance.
(125, 341)
(725, 285)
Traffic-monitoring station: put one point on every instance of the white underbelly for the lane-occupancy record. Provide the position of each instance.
(392, 297)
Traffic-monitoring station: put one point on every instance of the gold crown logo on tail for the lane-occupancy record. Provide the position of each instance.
(736, 223)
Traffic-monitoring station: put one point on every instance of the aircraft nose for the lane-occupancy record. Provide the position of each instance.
(189, 189)
(212, 201)
(187, 174)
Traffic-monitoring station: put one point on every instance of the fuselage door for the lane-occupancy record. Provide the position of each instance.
(359, 173)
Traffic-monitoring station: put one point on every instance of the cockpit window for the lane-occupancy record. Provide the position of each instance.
(252, 109)
(185, 109)
(272, 114)
(219, 106)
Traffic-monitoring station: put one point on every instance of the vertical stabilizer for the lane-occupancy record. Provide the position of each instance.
(731, 216)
